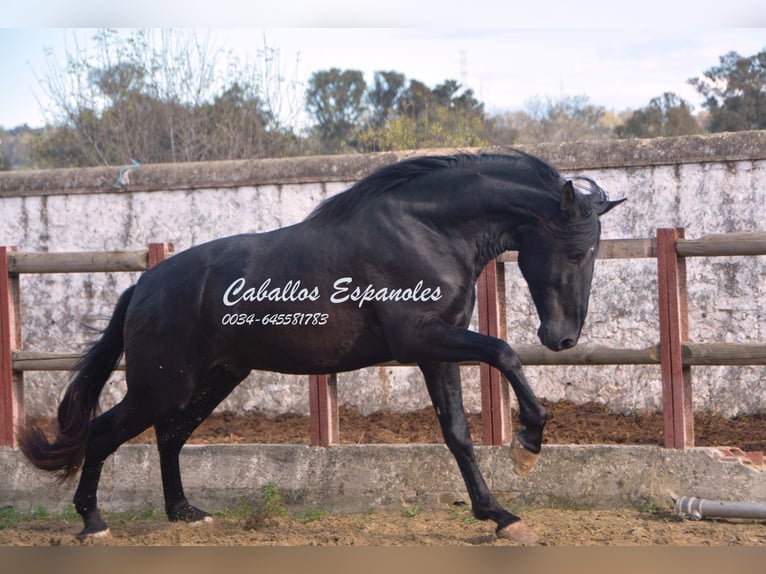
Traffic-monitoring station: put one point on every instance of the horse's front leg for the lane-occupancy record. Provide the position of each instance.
(443, 382)
(436, 341)
(527, 441)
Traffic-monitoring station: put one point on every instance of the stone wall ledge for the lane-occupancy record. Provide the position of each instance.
(569, 156)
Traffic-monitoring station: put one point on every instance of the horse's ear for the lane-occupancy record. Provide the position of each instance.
(602, 208)
(569, 200)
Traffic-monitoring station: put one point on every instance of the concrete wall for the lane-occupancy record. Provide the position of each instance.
(356, 478)
(710, 184)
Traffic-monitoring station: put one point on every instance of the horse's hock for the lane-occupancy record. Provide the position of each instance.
(708, 185)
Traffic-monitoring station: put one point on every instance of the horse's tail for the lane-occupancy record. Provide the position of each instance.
(80, 403)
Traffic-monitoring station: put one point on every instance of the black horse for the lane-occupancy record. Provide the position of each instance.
(383, 271)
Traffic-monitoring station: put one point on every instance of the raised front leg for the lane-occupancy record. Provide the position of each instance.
(443, 382)
(435, 341)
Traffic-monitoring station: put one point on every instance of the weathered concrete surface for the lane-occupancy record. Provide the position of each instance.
(727, 147)
(708, 184)
(359, 478)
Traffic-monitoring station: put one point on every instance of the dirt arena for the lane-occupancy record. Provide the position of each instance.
(410, 527)
(569, 424)
(572, 424)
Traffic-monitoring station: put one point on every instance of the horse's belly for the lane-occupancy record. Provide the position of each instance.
(307, 343)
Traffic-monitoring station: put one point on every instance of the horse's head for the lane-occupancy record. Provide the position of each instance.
(556, 257)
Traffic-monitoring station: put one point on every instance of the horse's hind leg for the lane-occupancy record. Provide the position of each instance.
(106, 433)
(174, 430)
(443, 382)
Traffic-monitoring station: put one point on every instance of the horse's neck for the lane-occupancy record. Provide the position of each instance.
(487, 220)
(475, 228)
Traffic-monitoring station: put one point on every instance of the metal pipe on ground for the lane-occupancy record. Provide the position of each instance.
(693, 508)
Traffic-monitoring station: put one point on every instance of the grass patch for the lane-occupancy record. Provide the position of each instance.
(465, 513)
(70, 514)
(263, 509)
(9, 517)
(241, 508)
(412, 511)
(313, 515)
(148, 513)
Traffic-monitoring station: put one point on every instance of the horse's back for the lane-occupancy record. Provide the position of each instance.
(258, 301)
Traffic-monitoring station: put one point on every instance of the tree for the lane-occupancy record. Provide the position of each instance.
(545, 120)
(156, 97)
(445, 116)
(569, 118)
(735, 92)
(350, 117)
(233, 124)
(442, 127)
(334, 98)
(415, 101)
(666, 115)
(447, 96)
(15, 147)
(5, 163)
(386, 90)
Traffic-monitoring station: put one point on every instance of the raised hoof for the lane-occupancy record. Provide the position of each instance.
(518, 532)
(523, 460)
(86, 534)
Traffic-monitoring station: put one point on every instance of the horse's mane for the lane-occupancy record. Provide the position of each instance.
(525, 168)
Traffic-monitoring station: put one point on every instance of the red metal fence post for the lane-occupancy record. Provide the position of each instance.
(323, 410)
(11, 382)
(495, 398)
(674, 329)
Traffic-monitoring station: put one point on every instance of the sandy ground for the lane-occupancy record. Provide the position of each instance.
(555, 527)
(573, 424)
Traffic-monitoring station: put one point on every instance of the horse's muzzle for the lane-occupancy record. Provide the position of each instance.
(556, 342)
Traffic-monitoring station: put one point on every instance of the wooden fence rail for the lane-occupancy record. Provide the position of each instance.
(88, 262)
(674, 353)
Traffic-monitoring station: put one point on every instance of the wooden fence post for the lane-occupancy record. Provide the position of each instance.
(158, 252)
(11, 382)
(323, 410)
(495, 398)
(674, 330)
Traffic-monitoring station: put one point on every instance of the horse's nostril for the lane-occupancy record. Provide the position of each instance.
(567, 343)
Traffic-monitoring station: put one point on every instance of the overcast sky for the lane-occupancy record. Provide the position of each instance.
(506, 57)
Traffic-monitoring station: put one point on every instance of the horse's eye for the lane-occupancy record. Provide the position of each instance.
(579, 255)
(576, 256)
